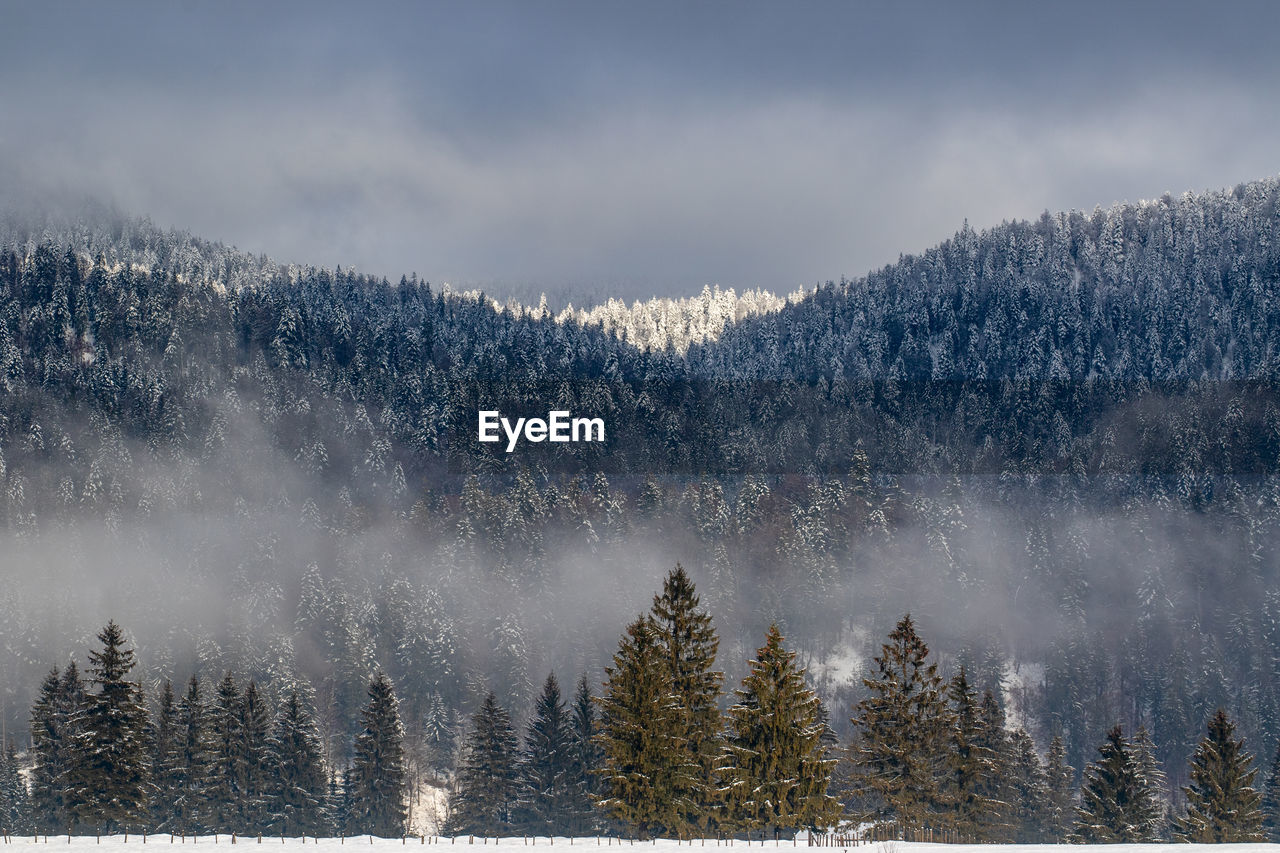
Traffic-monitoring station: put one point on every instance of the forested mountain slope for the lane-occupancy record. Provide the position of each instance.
(1054, 442)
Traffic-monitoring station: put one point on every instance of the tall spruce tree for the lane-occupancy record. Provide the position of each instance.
(1271, 800)
(583, 815)
(690, 643)
(484, 803)
(903, 728)
(1153, 779)
(992, 737)
(55, 719)
(166, 765)
(970, 764)
(378, 781)
(1115, 805)
(774, 769)
(1222, 804)
(546, 790)
(1029, 789)
(15, 804)
(111, 767)
(297, 802)
(224, 791)
(646, 771)
(259, 771)
(188, 768)
(1060, 777)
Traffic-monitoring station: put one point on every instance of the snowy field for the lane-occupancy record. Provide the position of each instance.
(84, 844)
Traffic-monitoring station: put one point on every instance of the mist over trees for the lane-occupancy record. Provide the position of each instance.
(1054, 443)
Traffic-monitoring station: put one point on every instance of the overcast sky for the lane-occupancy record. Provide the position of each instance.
(635, 148)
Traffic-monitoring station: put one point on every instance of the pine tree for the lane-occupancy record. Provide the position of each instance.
(111, 768)
(545, 786)
(258, 770)
(1153, 781)
(55, 720)
(773, 769)
(1222, 805)
(904, 726)
(1060, 779)
(484, 802)
(166, 765)
(224, 791)
(970, 763)
(998, 823)
(690, 643)
(646, 772)
(299, 789)
(1029, 788)
(377, 780)
(583, 818)
(190, 766)
(15, 804)
(1271, 800)
(1115, 804)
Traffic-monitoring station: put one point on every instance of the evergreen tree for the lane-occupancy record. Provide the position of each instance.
(189, 767)
(646, 772)
(111, 767)
(774, 770)
(166, 764)
(224, 791)
(970, 763)
(15, 805)
(1115, 805)
(484, 802)
(1222, 805)
(55, 723)
(1153, 780)
(1060, 779)
(583, 817)
(903, 731)
(1271, 800)
(258, 761)
(545, 786)
(996, 787)
(377, 781)
(690, 643)
(1029, 788)
(299, 790)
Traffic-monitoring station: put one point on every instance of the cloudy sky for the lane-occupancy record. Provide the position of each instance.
(632, 148)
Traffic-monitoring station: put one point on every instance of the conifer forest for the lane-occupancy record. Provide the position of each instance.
(981, 543)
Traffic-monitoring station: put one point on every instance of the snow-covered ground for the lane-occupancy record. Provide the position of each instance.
(88, 844)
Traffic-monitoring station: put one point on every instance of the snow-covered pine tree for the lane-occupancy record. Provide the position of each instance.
(377, 782)
(259, 769)
(189, 767)
(774, 769)
(15, 805)
(1029, 789)
(224, 789)
(689, 642)
(1115, 805)
(111, 768)
(584, 781)
(1153, 780)
(1222, 804)
(297, 802)
(1271, 800)
(545, 776)
(166, 751)
(1060, 779)
(54, 727)
(484, 801)
(995, 787)
(970, 764)
(646, 773)
(903, 727)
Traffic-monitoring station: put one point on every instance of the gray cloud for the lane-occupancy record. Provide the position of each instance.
(591, 147)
